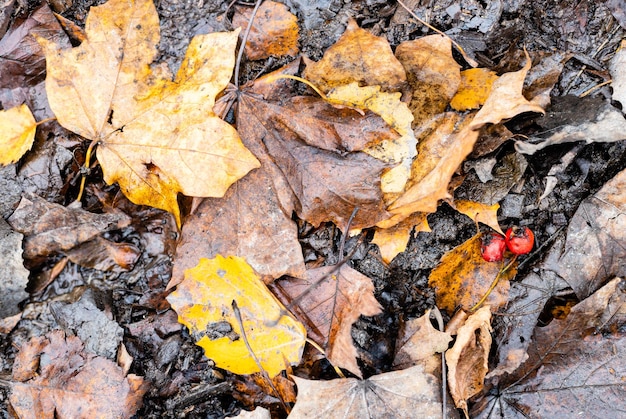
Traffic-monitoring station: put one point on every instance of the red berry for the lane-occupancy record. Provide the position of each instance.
(492, 247)
(519, 240)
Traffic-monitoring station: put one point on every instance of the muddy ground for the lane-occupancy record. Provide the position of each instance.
(184, 384)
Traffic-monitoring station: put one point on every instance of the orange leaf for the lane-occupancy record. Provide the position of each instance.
(18, 133)
(474, 89)
(357, 57)
(156, 137)
(477, 211)
(274, 32)
(393, 240)
(463, 277)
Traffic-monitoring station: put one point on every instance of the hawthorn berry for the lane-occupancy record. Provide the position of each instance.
(519, 240)
(492, 247)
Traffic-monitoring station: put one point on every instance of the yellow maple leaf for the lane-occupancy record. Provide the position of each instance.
(474, 89)
(203, 302)
(156, 137)
(17, 134)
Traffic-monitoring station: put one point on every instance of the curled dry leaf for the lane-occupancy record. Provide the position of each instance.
(204, 300)
(18, 133)
(274, 32)
(357, 57)
(398, 394)
(463, 277)
(55, 378)
(156, 137)
(333, 301)
(467, 359)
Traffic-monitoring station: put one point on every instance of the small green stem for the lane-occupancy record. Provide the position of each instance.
(493, 285)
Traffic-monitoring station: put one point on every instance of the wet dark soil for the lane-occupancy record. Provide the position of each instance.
(183, 382)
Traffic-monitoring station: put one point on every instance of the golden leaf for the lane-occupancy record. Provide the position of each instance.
(203, 302)
(17, 134)
(474, 89)
(156, 137)
(479, 212)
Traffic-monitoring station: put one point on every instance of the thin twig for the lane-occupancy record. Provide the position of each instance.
(243, 42)
(256, 360)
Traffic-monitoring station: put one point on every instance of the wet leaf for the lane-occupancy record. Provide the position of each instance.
(479, 212)
(18, 133)
(432, 73)
(105, 255)
(274, 32)
(156, 137)
(393, 240)
(463, 277)
(616, 67)
(574, 366)
(398, 151)
(398, 394)
(203, 302)
(418, 343)
(356, 57)
(50, 228)
(474, 89)
(13, 275)
(467, 359)
(55, 378)
(333, 301)
(595, 245)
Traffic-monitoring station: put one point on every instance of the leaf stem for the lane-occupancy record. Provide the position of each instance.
(493, 285)
(300, 79)
(243, 42)
(86, 169)
(319, 348)
(256, 360)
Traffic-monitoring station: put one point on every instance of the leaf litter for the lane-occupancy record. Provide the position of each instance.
(293, 159)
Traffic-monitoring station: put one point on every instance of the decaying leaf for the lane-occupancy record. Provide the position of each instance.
(357, 57)
(18, 133)
(595, 245)
(333, 301)
(274, 32)
(575, 366)
(463, 277)
(479, 212)
(398, 394)
(432, 73)
(467, 359)
(50, 228)
(474, 89)
(55, 378)
(616, 67)
(244, 223)
(204, 300)
(156, 137)
(418, 343)
(393, 240)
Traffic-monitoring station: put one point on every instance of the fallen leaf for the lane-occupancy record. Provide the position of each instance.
(616, 68)
(418, 343)
(438, 157)
(357, 57)
(575, 366)
(244, 223)
(474, 89)
(432, 72)
(18, 133)
(463, 277)
(324, 185)
(333, 300)
(506, 100)
(53, 377)
(50, 228)
(203, 302)
(104, 255)
(274, 32)
(397, 394)
(399, 151)
(595, 245)
(467, 359)
(479, 212)
(393, 240)
(13, 275)
(156, 137)
(258, 413)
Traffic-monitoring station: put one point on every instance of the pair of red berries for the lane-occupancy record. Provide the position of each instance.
(519, 241)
